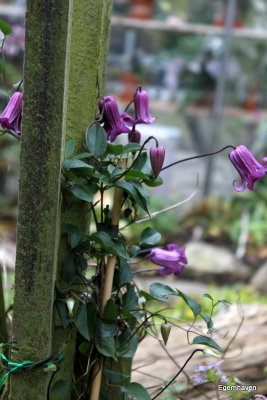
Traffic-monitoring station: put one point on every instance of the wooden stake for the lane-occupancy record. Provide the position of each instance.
(107, 287)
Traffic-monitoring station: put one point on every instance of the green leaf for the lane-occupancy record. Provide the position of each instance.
(70, 147)
(130, 299)
(125, 273)
(63, 312)
(91, 316)
(135, 250)
(5, 28)
(127, 345)
(150, 236)
(225, 302)
(193, 304)
(105, 328)
(207, 342)
(115, 377)
(136, 390)
(69, 270)
(154, 182)
(143, 164)
(72, 164)
(143, 193)
(208, 320)
(81, 193)
(131, 190)
(81, 322)
(131, 147)
(61, 388)
(115, 149)
(161, 292)
(110, 245)
(106, 347)
(208, 296)
(82, 155)
(81, 262)
(4, 92)
(148, 296)
(110, 311)
(117, 171)
(96, 140)
(75, 236)
(132, 174)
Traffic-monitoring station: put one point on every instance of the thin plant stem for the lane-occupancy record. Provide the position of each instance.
(178, 373)
(200, 156)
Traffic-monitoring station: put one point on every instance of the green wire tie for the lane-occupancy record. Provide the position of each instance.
(25, 364)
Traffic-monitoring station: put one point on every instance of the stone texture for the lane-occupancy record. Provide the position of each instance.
(208, 262)
(259, 279)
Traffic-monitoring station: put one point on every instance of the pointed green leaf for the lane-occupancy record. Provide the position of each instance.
(5, 28)
(110, 311)
(207, 342)
(69, 270)
(130, 299)
(124, 274)
(63, 312)
(106, 346)
(131, 147)
(96, 140)
(136, 390)
(150, 236)
(81, 193)
(70, 147)
(72, 164)
(81, 322)
(61, 388)
(193, 304)
(161, 291)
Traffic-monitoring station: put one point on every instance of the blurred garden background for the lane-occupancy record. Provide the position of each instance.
(204, 65)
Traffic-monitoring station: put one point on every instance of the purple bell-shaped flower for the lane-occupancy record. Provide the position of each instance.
(113, 123)
(11, 116)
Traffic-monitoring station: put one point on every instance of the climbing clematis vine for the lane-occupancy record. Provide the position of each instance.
(248, 167)
(11, 116)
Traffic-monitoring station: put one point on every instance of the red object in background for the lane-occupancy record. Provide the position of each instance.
(141, 9)
(130, 84)
(219, 19)
(252, 101)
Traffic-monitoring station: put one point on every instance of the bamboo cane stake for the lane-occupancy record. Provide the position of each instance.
(107, 287)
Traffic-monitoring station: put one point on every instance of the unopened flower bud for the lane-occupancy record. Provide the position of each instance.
(157, 155)
(134, 137)
(165, 330)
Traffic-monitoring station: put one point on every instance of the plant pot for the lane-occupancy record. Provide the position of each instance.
(141, 9)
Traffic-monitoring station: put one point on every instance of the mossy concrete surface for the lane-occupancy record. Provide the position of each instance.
(66, 47)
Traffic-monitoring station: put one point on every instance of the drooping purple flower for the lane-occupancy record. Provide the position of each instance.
(248, 167)
(11, 116)
(141, 103)
(113, 123)
(157, 155)
(134, 137)
(127, 119)
(260, 397)
(173, 259)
